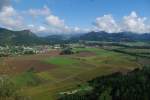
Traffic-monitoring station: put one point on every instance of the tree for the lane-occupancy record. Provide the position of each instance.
(66, 51)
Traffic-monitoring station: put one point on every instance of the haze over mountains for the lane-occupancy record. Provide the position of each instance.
(26, 37)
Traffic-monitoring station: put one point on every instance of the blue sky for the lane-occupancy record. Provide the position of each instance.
(83, 12)
(82, 15)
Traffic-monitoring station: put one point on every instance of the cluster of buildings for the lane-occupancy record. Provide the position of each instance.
(16, 50)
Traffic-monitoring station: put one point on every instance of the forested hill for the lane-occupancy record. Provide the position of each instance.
(24, 37)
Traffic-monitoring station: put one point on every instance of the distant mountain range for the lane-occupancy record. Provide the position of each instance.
(26, 37)
(114, 37)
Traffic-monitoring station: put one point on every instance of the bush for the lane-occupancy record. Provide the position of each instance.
(66, 51)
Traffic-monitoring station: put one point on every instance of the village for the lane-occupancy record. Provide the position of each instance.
(6, 51)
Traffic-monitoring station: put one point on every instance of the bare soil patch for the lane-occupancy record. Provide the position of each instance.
(20, 64)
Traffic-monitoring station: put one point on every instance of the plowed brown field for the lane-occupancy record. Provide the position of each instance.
(18, 64)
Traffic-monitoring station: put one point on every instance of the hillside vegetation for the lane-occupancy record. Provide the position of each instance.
(134, 85)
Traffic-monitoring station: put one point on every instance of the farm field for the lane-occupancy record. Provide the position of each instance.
(44, 76)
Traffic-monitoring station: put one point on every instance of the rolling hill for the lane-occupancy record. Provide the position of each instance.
(24, 37)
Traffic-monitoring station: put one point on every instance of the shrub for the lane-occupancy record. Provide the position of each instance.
(66, 51)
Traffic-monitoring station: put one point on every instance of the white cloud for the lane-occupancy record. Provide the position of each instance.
(42, 28)
(9, 18)
(134, 23)
(57, 25)
(36, 28)
(106, 23)
(39, 12)
(77, 29)
(131, 23)
(54, 21)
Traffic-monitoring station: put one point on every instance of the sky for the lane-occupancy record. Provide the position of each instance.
(45, 17)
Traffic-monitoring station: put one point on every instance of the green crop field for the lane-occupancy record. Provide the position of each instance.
(61, 61)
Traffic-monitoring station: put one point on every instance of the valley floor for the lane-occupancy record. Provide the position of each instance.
(44, 76)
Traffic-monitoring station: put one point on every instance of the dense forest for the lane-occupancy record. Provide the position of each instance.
(134, 85)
